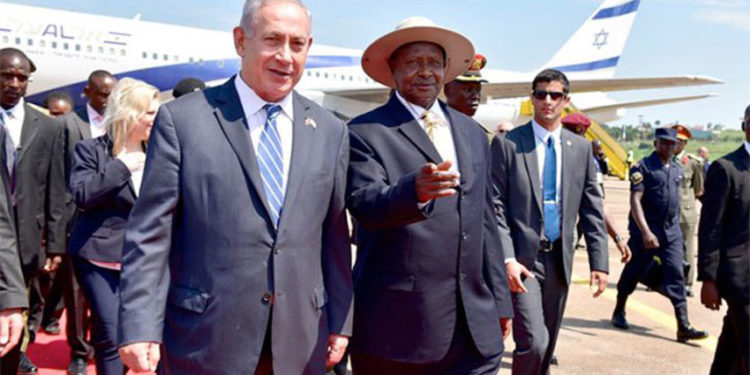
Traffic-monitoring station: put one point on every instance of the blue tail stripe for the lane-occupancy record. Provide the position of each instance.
(619, 10)
(166, 77)
(593, 65)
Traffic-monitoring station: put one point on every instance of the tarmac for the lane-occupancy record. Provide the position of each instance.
(589, 344)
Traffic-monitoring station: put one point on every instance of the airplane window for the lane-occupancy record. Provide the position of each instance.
(18, 40)
(155, 56)
(111, 51)
(325, 75)
(166, 57)
(42, 43)
(5, 39)
(176, 58)
(78, 47)
(54, 44)
(191, 60)
(89, 49)
(200, 61)
(145, 55)
(122, 52)
(30, 42)
(343, 77)
(100, 50)
(317, 74)
(66, 46)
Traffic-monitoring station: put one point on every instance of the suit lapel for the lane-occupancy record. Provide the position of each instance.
(29, 130)
(530, 158)
(411, 129)
(569, 164)
(232, 120)
(303, 137)
(84, 128)
(461, 144)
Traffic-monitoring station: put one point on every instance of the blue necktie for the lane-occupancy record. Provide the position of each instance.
(549, 190)
(271, 162)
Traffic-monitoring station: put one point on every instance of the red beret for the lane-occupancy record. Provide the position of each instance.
(576, 120)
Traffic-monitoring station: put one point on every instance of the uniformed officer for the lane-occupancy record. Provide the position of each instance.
(655, 231)
(691, 188)
(465, 92)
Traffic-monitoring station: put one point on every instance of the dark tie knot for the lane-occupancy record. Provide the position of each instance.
(272, 110)
(550, 141)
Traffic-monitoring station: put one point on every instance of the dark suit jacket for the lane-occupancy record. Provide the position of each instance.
(12, 288)
(724, 231)
(413, 265)
(201, 252)
(76, 129)
(40, 190)
(515, 176)
(103, 192)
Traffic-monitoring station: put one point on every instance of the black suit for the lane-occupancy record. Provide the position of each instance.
(39, 191)
(723, 255)
(424, 277)
(12, 289)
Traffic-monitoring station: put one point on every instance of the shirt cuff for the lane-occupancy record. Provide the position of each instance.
(508, 260)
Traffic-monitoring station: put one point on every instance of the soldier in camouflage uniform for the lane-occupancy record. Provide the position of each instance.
(690, 189)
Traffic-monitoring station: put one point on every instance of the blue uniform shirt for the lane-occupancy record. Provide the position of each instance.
(660, 185)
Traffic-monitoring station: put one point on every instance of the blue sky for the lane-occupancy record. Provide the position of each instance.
(670, 37)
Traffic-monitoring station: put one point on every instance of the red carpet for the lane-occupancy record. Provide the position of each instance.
(52, 354)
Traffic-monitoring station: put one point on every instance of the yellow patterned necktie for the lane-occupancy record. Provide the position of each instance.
(431, 121)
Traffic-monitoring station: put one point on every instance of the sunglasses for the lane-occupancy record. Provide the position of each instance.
(541, 94)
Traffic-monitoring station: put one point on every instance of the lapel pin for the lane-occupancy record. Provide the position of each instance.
(311, 123)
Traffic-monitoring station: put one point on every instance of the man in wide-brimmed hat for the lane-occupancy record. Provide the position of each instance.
(465, 92)
(430, 287)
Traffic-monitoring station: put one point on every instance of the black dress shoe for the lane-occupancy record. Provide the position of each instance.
(689, 333)
(619, 321)
(52, 328)
(689, 292)
(77, 366)
(553, 361)
(25, 366)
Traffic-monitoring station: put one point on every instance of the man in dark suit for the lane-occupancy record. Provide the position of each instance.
(237, 256)
(12, 290)
(723, 256)
(87, 122)
(34, 156)
(430, 290)
(545, 178)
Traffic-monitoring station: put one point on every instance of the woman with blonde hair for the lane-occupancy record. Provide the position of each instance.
(105, 182)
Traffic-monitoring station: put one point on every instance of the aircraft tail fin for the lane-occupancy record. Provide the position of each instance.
(595, 49)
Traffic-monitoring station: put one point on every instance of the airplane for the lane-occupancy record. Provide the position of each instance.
(66, 46)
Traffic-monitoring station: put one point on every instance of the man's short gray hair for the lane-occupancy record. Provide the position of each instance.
(252, 6)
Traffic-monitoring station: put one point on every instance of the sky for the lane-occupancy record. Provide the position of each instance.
(669, 37)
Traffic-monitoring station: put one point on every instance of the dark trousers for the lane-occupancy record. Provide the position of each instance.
(45, 300)
(733, 351)
(265, 362)
(671, 255)
(463, 358)
(102, 289)
(539, 313)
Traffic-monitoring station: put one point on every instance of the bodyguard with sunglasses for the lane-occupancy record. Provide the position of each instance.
(544, 178)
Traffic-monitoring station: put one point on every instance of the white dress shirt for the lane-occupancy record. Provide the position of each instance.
(441, 135)
(540, 139)
(96, 122)
(252, 106)
(747, 147)
(13, 119)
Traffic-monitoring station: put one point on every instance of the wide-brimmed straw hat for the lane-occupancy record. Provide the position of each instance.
(459, 52)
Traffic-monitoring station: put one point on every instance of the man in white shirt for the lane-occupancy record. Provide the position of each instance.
(544, 179)
(431, 296)
(34, 161)
(237, 256)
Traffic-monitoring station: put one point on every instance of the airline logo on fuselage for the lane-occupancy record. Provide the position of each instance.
(65, 32)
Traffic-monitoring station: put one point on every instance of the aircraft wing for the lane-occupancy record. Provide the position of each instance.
(518, 89)
(592, 111)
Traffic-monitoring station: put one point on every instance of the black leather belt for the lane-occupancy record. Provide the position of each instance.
(546, 246)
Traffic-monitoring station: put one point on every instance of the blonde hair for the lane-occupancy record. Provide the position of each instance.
(129, 100)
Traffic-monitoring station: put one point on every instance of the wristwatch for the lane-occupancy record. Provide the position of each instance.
(617, 238)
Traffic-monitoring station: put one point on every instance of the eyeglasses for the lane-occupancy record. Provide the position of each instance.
(541, 94)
